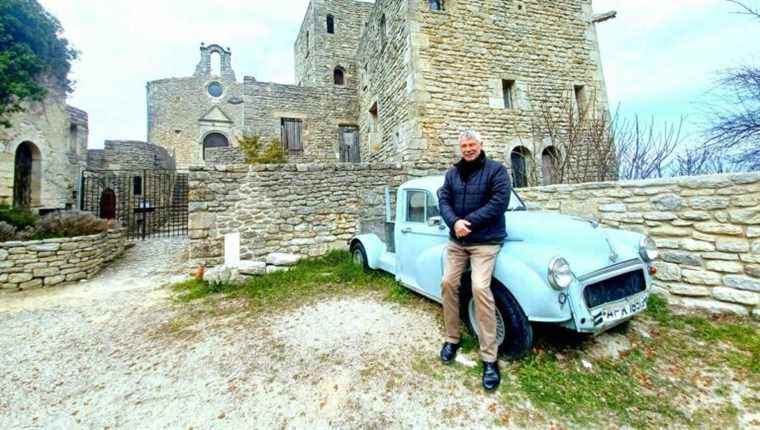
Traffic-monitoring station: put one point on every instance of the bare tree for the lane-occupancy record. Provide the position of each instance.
(746, 9)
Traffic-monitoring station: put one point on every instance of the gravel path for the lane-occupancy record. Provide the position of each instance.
(108, 353)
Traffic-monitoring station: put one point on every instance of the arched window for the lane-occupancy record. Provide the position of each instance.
(330, 24)
(214, 140)
(339, 76)
(549, 166)
(27, 176)
(216, 64)
(435, 4)
(520, 160)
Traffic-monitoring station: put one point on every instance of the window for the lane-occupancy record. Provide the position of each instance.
(416, 202)
(290, 135)
(349, 144)
(214, 140)
(330, 24)
(137, 185)
(382, 31)
(339, 76)
(435, 4)
(307, 44)
(420, 206)
(580, 99)
(519, 160)
(549, 165)
(73, 139)
(215, 89)
(216, 64)
(507, 89)
(373, 128)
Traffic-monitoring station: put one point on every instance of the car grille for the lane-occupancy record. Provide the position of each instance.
(615, 288)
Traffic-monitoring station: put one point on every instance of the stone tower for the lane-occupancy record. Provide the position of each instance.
(326, 46)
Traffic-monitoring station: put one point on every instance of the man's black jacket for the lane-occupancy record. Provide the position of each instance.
(478, 192)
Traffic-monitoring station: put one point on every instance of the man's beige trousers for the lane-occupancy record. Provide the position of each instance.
(482, 259)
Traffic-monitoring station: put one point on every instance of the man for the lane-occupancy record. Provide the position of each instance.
(472, 202)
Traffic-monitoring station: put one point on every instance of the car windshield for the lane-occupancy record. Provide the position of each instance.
(516, 203)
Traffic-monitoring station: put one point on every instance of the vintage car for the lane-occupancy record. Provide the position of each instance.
(552, 268)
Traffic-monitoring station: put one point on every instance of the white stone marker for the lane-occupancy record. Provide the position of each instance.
(232, 249)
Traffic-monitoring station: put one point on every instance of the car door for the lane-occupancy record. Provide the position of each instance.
(421, 239)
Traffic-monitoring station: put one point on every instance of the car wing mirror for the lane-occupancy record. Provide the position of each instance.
(436, 221)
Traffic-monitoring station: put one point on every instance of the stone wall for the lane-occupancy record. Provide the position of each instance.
(45, 263)
(129, 155)
(306, 209)
(231, 155)
(57, 135)
(322, 110)
(707, 229)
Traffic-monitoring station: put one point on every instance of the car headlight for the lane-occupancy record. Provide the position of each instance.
(648, 249)
(560, 275)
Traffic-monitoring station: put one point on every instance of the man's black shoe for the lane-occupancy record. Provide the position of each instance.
(491, 376)
(449, 352)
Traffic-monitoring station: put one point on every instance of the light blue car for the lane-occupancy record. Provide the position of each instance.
(552, 268)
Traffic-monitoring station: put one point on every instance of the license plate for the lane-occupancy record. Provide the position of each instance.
(620, 311)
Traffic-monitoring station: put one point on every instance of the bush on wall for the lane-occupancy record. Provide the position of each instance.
(55, 225)
(256, 153)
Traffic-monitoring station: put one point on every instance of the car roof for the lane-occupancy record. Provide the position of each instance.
(431, 183)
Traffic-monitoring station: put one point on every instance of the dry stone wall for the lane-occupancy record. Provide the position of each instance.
(305, 209)
(707, 229)
(129, 155)
(45, 263)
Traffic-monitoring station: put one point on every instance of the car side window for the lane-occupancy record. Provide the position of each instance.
(432, 206)
(415, 206)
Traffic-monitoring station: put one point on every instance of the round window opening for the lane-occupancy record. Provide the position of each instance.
(215, 89)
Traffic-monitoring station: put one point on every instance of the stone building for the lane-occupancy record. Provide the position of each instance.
(394, 81)
(42, 154)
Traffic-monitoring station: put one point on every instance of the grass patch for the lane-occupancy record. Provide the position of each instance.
(333, 274)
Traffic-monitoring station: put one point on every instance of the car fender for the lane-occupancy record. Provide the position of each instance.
(373, 246)
(539, 301)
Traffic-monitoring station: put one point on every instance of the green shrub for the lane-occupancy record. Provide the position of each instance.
(70, 224)
(19, 218)
(7, 232)
(256, 153)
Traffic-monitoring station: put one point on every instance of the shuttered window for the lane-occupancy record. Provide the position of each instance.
(291, 129)
(349, 144)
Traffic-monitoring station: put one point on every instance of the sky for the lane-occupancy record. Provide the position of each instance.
(660, 57)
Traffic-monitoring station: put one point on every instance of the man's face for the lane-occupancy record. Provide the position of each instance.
(470, 149)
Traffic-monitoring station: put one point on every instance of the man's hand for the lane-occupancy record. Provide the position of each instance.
(462, 228)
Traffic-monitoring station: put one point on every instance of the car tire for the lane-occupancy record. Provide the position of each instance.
(359, 255)
(517, 337)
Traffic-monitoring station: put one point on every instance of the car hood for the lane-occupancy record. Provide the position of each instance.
(585, 245)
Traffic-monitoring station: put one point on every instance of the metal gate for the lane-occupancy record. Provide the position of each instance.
(148, 203)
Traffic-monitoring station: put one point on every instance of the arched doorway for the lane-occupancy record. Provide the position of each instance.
(27, 176)
(214, 140)
(520, 160)
(107, 204)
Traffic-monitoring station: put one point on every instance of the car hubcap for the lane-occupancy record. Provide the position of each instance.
(501, 330)
(358, 257)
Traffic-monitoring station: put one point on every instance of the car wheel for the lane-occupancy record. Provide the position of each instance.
(359, 255)
(514, 334)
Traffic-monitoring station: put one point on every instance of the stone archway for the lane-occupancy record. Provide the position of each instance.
(27, 176)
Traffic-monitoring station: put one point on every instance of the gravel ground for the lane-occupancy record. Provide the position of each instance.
(108, 353)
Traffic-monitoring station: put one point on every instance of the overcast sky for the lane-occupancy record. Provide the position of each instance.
(660, 57)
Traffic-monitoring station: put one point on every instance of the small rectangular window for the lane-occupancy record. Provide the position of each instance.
(580, 97)
(137, 185)
(508, 89)
(290, 135)
(349, 144)
(415, 206)
(435, 4)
